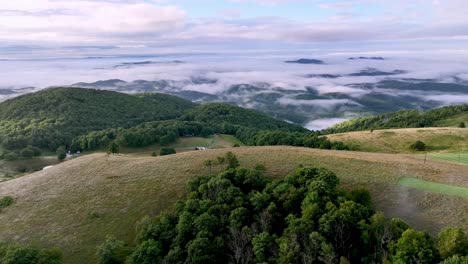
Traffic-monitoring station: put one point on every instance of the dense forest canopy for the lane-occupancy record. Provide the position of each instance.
(224, 115)
(86, 119)
(53, 117)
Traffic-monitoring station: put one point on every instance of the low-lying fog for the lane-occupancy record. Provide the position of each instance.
(325, 93)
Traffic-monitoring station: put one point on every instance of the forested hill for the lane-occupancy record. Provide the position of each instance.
(219, 114)
(53, 117)
(445, 116)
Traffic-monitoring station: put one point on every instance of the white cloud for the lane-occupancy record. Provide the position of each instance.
(85, 21)
(320, 103)
(319, 124)
(448, 99)
(140, 22)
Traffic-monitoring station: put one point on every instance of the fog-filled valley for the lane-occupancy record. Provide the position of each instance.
(233, 131)
(322, 89)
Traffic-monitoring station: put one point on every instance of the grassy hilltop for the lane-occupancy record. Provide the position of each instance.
(440, 117)
(437, 139)
(76, 204)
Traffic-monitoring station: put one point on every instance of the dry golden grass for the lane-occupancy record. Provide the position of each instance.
(76, 204)
(438, 139)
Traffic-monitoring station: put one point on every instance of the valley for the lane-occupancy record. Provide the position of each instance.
(78, 204)
(233, 132)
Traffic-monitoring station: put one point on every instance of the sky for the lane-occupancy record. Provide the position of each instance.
(69, 27)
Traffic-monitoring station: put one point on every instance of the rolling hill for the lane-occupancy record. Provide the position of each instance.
(392, 91)
(219, 114)
(57, 116)
(437, 139)
(444, 116)
(53, 117)
(76, 204)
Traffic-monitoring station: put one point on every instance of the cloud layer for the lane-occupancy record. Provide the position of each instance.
(139, 23)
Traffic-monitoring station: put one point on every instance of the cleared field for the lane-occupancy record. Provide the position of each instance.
(437, 139)
(76, 204)
(434, 187)
(185, 144)
(460, 157)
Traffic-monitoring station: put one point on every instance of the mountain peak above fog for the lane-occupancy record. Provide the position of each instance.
(366, 58)
(306, 61)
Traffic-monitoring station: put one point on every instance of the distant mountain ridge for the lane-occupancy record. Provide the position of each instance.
(300, 106)
(366, 58)
(306, 61)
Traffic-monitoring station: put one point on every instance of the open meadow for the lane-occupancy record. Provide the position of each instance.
(75, 205)
(437, 139)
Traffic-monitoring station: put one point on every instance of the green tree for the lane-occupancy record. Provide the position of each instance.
(5, 202)
(418, 146)
(148, 252)
(114, 148)
(27, 152)
(415, 247)
(231, 160)
(264, 247)
(167, 151)
(456, 260)
(462, 125)
(10, 156)
(361, 196)
(61, 153)
(452, 241)
(110, 252)
(51, 256)
(20, 255)
(201, 250)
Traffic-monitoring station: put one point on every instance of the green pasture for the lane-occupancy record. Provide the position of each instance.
(434, 187)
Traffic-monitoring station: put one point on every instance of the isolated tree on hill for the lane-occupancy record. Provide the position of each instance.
(209, 164)
(462, 125)
(167, 151)
(231, 160)
(418, 146)
(114, 148)
(61, 153)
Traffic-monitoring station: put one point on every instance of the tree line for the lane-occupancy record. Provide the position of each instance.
(166, 132)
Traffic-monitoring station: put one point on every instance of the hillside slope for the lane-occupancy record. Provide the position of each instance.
(76, 204)
(219, 114)
(52, 117)
(444, 116)
(443, 139)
